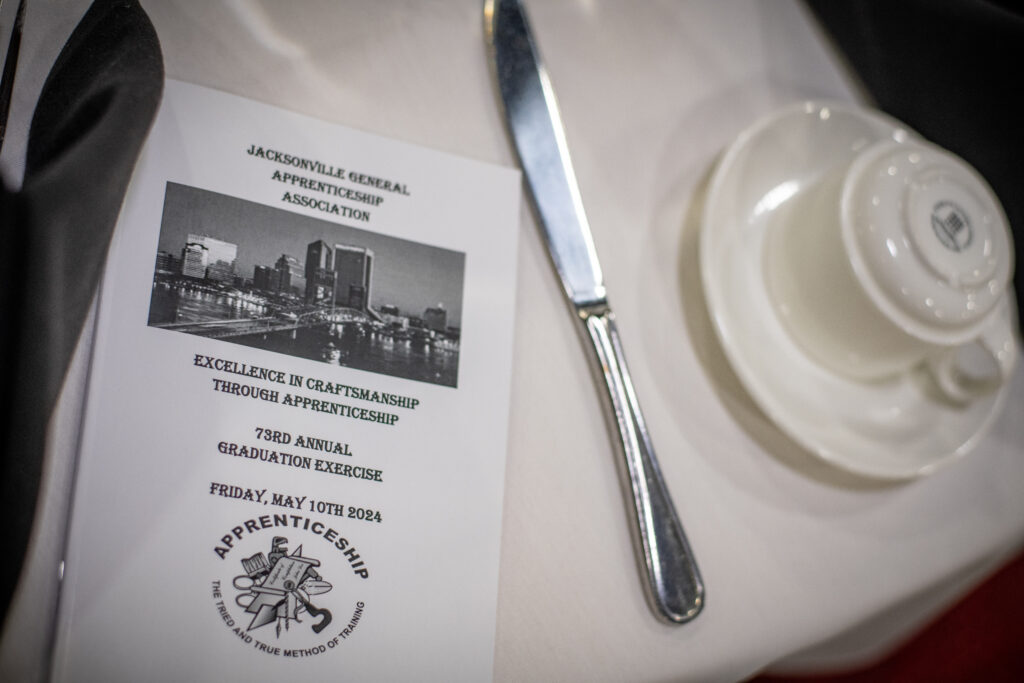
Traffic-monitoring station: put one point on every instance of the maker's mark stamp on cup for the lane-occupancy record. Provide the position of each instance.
(952, 226)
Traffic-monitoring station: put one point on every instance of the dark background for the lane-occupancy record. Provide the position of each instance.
(952, 70)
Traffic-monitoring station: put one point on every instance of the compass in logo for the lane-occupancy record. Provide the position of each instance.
(952, 226)
(278, 588)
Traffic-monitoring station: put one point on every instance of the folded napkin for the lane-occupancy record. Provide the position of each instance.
(87, 130)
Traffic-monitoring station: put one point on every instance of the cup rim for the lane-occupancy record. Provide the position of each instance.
(929, 334)
(829, 415)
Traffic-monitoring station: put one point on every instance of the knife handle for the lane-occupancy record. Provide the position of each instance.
(673, 583)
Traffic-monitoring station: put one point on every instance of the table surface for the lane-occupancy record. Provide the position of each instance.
(805, 566)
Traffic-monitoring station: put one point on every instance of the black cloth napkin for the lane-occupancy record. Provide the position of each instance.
(949, 69)
(92, 117)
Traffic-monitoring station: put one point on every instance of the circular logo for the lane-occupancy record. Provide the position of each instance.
(952, 226)
(288, 585)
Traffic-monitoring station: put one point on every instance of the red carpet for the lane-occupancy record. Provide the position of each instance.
(979, 639)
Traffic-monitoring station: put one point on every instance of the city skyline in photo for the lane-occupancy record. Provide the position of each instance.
(409, 275)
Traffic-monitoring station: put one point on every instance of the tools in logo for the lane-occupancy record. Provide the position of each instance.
(278, 587)
(283, 585)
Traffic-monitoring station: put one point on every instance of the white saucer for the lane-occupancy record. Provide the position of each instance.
(896, 429)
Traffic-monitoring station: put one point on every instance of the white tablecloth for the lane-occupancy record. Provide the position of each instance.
(805, 566)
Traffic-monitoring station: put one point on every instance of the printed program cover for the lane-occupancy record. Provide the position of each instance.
(294, 443)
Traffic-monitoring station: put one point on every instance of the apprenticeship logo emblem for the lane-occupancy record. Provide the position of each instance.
(278, 587)
(284, 598)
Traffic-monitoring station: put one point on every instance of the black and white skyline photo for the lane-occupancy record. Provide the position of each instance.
(265, 277)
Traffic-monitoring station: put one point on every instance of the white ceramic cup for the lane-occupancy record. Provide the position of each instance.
(900, 259)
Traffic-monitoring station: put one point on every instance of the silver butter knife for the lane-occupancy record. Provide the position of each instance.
(673, 583)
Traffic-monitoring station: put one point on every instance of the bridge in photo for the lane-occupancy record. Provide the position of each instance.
(239, 327)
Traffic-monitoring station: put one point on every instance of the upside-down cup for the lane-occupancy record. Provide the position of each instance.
(901, 259)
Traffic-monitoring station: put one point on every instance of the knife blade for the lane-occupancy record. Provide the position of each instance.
(672, 581)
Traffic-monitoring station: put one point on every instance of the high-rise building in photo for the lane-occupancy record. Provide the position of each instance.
(436, 318)
(319, 275)
(353, 276)
(193, 260)
(267, 279)
(289, 273)
(216, 257)
(167, 262)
